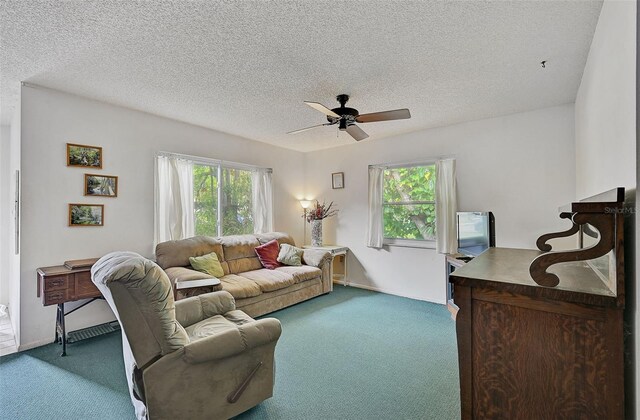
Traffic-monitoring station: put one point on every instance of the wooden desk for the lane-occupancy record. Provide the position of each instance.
(58, 285)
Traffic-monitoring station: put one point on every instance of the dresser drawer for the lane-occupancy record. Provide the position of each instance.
(55, 297)
(55, 283)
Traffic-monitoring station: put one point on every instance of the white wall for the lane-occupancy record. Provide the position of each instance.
(606, 104)
(129, 139)
(5, 143)
(606, 138)
(13, 251)
(520, 167)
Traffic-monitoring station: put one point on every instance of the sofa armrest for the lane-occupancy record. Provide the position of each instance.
(316, 257)
(232, 342)
(196, 308)
(322, 260)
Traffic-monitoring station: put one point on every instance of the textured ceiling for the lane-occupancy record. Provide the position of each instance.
(245, 67)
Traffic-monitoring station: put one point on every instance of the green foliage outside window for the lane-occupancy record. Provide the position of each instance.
(205, 197)
(236, 201)
(409, 203)
(237, 217)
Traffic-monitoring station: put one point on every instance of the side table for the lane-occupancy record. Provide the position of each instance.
(338, 263)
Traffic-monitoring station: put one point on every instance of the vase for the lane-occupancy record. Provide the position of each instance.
(316, 232)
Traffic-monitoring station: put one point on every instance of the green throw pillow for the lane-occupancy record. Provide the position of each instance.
(207, 264)
(290, 255)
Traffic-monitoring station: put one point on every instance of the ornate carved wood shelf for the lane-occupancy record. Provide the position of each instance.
(604, 212)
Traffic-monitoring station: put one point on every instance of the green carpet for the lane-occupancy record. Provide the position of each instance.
(352, 354)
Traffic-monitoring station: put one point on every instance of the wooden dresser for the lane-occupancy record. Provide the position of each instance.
(530, 351)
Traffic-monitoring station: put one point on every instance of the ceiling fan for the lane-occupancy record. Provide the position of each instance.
(346, 118)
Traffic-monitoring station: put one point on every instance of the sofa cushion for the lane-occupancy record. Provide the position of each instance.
(239, 253)
(268, 254)
(290, 255)
(244, 264)
(269, 280)
(177, 253)
(301, 273)
(281, 237)
(240, 287)
(207, 264)
(239, 246)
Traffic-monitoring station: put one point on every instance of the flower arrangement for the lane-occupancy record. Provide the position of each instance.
(320, 211)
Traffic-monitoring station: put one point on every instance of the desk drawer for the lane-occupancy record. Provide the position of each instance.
(56, 283)
(55, 297)
(84, 287)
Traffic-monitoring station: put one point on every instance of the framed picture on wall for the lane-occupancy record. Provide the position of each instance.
(80, 155)
(337, 180)
(100, 185)
(86, 214)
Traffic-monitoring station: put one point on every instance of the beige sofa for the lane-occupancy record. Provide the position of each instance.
(256, 290)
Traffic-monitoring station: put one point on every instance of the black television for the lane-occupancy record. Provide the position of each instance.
(476, 232)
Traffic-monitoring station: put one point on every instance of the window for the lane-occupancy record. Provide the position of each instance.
(222, 200)
(409, 206)
(200, 196)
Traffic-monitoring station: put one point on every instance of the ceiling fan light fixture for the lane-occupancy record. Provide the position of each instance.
(346, 118)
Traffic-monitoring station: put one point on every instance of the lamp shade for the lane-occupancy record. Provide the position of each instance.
(305, 203)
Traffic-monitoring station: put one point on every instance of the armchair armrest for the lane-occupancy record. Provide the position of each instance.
(231, 342)
(316, 257)
(196, 308)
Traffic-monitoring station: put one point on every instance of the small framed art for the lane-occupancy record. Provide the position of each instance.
(86, 214)
(83, 156)
(337, 180)
(100, 185)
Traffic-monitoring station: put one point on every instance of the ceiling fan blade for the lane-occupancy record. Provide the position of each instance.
(308, 128)
(396, 114)
(322, 108)
(356, 132)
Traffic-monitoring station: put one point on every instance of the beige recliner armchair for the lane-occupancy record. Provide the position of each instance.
(198, 358)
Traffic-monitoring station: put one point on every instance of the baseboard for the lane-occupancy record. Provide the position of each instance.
(381, 290)
(33, 345)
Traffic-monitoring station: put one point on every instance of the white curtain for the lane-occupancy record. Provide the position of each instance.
(174, 217)
(446, 207)
(374, 230)
(262, 200)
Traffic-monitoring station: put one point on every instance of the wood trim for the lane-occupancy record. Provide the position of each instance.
(527, 302)
(462, 298)
(542, 244)
(603, 222)
(614, 334)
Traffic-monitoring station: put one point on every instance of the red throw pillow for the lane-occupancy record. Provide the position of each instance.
(268, 254)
